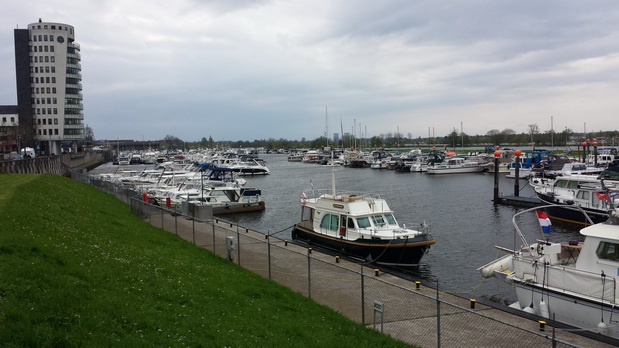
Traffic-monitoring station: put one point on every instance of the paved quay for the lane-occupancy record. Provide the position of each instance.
(360, 292)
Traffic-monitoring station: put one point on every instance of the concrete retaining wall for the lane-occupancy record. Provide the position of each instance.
(60, 165)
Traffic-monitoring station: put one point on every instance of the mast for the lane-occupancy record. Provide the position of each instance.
(332, 175)
(327, 126)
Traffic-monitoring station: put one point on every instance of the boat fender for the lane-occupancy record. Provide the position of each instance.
(543, 309)
(529, 309)
(602, 328)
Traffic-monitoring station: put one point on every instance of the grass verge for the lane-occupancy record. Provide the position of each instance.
(78, 269)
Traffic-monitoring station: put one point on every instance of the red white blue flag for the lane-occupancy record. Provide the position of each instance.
(544, 221)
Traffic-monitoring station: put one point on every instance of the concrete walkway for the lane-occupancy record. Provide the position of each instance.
(410, 313)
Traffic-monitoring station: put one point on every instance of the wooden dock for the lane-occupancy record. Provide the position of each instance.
(518, 201)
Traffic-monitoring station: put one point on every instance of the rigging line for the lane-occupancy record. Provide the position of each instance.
(280, 231)
(476, 286)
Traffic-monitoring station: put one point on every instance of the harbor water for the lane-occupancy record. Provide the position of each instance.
(458, 208)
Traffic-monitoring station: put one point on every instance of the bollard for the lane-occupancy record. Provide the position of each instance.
(542, 325)
(285, 242)
(337, 259)
(473, 303)
(309, 250)
(417, 284)
(266, 236)
(376, 272)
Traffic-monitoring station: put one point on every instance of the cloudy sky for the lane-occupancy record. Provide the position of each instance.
(245, 70)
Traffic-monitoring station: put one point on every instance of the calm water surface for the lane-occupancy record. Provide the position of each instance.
(465, 223)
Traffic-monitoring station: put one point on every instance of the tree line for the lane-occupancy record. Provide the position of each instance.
(494, 137)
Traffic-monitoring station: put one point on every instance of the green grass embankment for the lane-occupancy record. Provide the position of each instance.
(77, 269)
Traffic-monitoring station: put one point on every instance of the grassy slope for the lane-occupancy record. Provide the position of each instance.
(77, 269)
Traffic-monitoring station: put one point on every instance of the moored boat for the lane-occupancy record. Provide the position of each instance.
(457, 165)
(360, 226)
(571, 282)
(584, 191)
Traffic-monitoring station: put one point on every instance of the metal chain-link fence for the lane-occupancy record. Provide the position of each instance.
(403, 309)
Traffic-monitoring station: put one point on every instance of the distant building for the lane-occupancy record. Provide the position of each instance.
(336, 137)
(49, 87)
(9, 123)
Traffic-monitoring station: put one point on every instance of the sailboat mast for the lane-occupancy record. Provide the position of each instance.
(327, 126)
(332, 175)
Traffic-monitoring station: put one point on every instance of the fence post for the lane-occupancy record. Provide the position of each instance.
(238, 244)
(176, 224)
(150, 216)
(309, 273)
(269, 254)
(362, 297)
(193, 230)
(213, 224)
(161, 208)
(438, 317)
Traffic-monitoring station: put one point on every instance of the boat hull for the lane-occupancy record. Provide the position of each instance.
(571, 215)
(398, 252)
(568, 309)
(464, 170)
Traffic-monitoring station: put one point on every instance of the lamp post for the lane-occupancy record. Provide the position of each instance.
(19, 145)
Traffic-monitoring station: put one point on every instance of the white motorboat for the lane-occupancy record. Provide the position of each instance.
(361, 226)
(579, 190)
(573, 282)
(457, 165)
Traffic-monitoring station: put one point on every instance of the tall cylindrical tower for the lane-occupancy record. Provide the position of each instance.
(55, 82)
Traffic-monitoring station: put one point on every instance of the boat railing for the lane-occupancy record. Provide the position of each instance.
(342, 196)
(595, 285)
(526, 244)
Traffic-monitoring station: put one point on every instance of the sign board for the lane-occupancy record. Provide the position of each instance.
(378, 306)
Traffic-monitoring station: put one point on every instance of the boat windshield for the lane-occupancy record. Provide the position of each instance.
(363, 222)
(378, 220)
(391, 219)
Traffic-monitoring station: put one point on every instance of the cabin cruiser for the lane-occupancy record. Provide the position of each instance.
(458, 165)
(584, 191)
(360, 226)
(571, 282)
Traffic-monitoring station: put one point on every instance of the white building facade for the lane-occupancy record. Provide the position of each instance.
(55, 86)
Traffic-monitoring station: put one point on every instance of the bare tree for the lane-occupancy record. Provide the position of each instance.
(89, 134)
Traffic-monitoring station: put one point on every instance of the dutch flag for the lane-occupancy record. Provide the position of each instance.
(544, 221)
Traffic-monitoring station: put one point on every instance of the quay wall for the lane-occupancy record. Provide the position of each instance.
(59, 165)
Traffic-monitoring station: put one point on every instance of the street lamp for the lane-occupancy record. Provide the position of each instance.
(19, 145)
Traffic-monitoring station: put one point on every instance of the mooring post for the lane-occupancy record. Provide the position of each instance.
(496, 198)
(517, 153)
